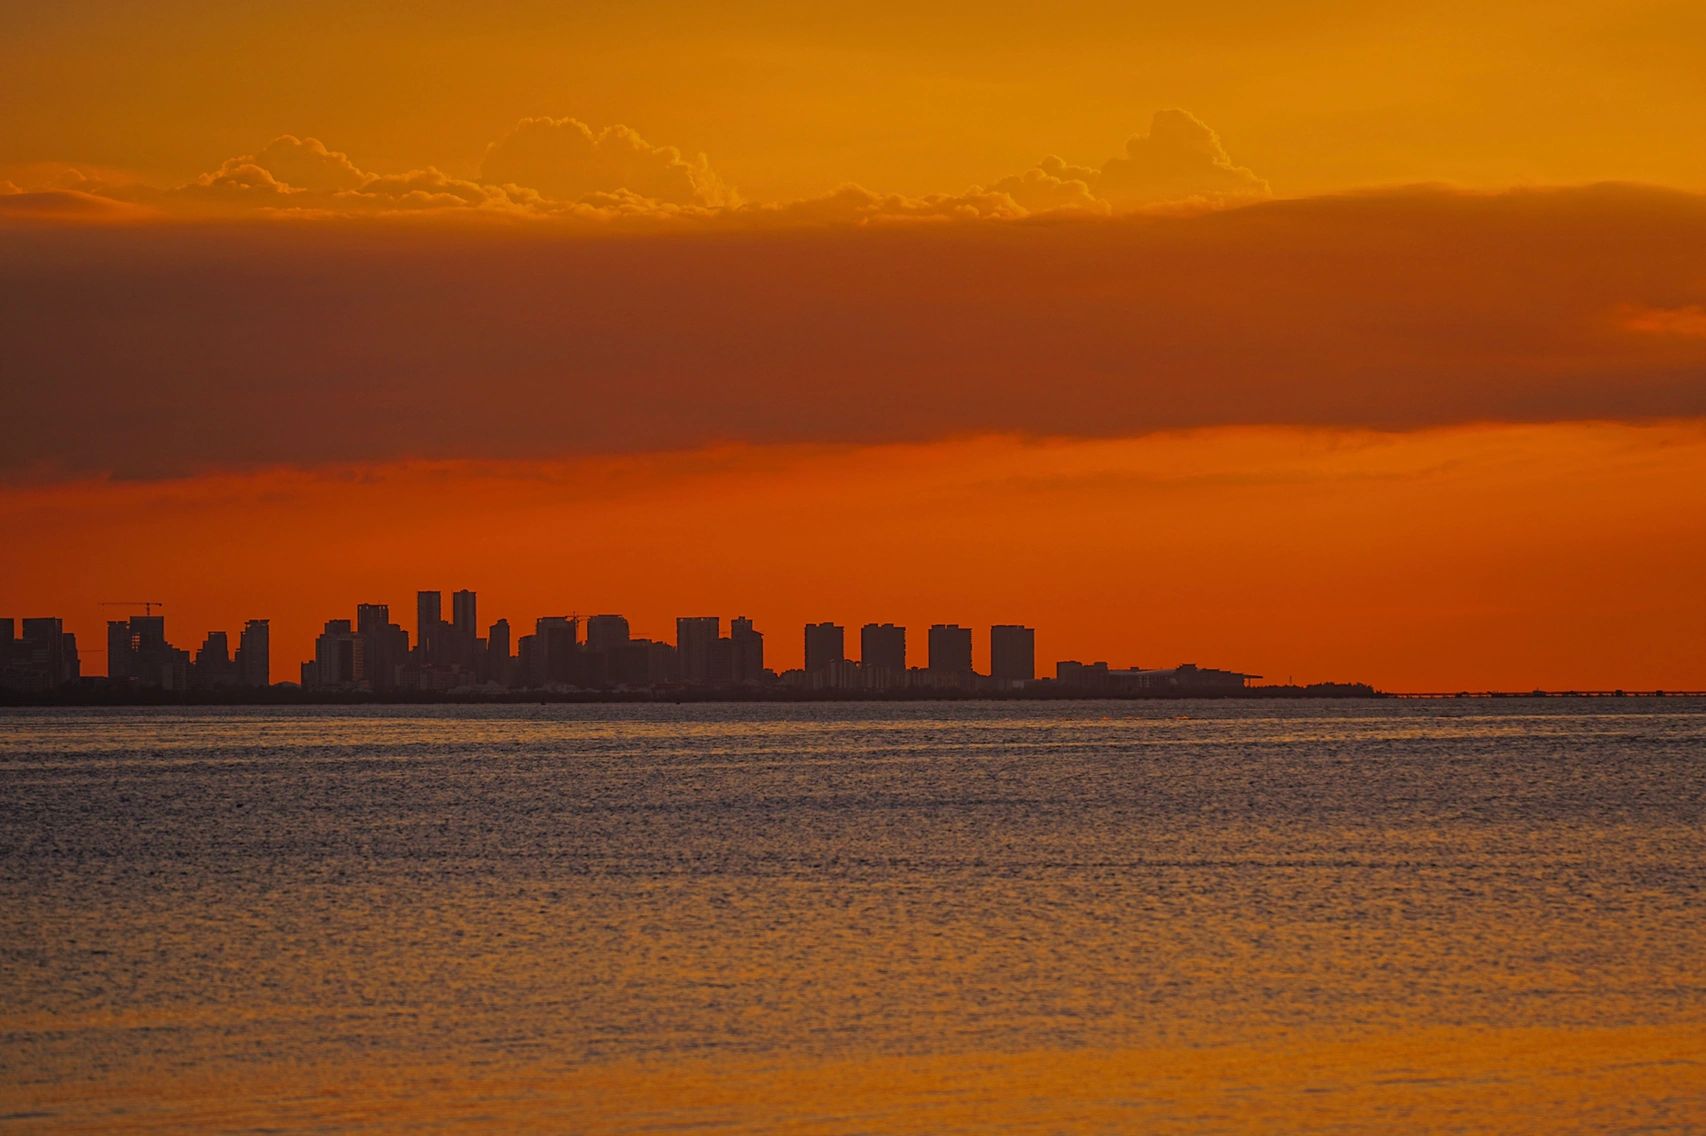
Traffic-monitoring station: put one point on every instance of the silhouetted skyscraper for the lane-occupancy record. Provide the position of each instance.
(43, 658)
(137, 651)
(950, 649)
(556, 645)
(340, 661)
(746, 651)
(429, 613)
(463, 616)
(606, 632)
(497, 652)
(385, 645)
(696, 646)
(254, 654)
(118, 650)
(213, 667)
(883, 645)
(645, 663)
(1012, 652)
(826, 645)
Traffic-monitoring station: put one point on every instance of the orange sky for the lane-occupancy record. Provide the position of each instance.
(1512, 556)
(1337, 342)
(791, 100)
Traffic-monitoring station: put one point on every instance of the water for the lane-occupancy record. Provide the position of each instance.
(1003, 917)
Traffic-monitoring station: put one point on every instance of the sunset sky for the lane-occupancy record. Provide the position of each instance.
(1321, 340)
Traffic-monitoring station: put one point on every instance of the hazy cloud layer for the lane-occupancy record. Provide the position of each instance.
(561, 168)
(148, 350)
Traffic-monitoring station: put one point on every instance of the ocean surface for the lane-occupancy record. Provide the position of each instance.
(1403, 916)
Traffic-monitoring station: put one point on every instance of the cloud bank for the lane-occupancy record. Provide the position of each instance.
(163, 349)
(564, 169)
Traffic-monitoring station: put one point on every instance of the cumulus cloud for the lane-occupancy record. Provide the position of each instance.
(432, 188)
(301, 163)
(1050, 185)
(565, 159)
(1180, 160)
(564, 169)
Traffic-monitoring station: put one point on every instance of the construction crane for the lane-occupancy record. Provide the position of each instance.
(147, 606)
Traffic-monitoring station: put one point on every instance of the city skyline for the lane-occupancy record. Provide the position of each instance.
(375, 655)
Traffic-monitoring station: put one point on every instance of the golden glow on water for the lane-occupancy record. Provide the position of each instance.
(882, 918)
(1434, 1080)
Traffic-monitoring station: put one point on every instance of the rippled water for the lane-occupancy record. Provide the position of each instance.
(1004, 917)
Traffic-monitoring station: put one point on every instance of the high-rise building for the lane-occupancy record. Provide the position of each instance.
(371, 617)
(254, 654)
(137, 652)
(385, 646)
(883, 645)
(339, 658)
(645, 663)
(606, 632)
(463, 615)
(429, 614)
(497, 653)
(826, 645)
(950, 650)
(556, 642)
(746, 651)
(213, 666)
(696, 647)
(1013, 652)
(44, 657)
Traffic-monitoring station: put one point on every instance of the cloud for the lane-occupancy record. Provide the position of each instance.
(301, 163)
(545, 168)
(1688, 322)
(566, 160)
(854, 204)
(1179, 161)
(1050, 185)
(62, 206)
(155, 349)
(431, 188)
(565, 170)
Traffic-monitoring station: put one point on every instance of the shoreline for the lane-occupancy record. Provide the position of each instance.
(291, 696)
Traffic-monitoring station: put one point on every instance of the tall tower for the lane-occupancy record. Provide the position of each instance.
(695, 644)
(883, 645)
(606, 632)
(950, 649)
(462, 615)
(826, 645)
(429, 613)
(1013, 652)
(746, 651)
(254, 654)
